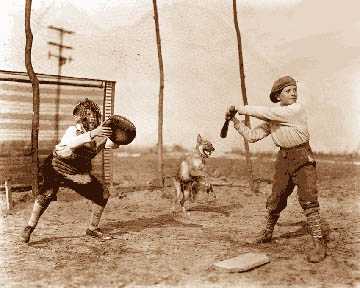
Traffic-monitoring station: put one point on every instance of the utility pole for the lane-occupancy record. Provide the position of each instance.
(61, 61)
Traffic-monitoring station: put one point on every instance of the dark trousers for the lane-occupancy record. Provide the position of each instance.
(294, 167)
(52, 181)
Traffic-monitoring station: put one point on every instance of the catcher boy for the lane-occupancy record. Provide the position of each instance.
(295, 164)
(69, 165)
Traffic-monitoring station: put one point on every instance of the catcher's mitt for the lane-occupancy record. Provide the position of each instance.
(123, 130)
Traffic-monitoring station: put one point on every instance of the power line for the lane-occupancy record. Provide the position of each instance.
(61, 61)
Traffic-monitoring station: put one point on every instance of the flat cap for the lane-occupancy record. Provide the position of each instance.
(279, 85)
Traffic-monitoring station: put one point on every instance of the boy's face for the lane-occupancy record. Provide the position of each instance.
(288, 95)
(91, 119)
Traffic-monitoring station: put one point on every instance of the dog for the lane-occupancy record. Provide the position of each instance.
(191, 175)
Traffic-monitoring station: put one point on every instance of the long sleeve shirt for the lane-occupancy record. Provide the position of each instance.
(75, 137)
(286, 124)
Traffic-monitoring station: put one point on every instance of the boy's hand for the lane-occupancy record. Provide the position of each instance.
(240, 110)
(101, 131)
(230, 113)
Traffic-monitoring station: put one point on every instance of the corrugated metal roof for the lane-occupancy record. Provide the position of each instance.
(51, 79)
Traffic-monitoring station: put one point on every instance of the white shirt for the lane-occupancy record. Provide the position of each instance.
(286, 124)
(74, 137)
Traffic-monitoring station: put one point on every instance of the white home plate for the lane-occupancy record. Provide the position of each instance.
(243, 262)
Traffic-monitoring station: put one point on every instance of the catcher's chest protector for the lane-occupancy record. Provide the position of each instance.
(81, 157)
(77, 164)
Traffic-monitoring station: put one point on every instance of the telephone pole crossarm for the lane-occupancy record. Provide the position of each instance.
(61, 30)
(59, 45)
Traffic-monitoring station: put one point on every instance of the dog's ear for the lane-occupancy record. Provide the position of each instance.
(199, 139)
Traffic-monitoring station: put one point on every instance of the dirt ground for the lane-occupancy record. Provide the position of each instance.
(152, 248)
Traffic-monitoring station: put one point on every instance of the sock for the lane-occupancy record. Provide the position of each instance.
(37, 211)
(271, 220)
(314, 224)
(96, 213)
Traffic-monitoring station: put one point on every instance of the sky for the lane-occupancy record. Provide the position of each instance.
(315, 41)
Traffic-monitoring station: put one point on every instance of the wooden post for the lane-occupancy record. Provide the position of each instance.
(36, 100)
(161, 97)
(8, 194)
(244, 98)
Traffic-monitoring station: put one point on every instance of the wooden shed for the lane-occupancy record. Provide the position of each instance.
(57, 99)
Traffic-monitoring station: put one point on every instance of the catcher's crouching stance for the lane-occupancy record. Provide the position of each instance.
(69, 165)
(191, 174)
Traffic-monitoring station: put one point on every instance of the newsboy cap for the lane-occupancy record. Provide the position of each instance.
(279, 85)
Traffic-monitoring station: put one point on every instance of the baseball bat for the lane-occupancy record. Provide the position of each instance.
(225, 127)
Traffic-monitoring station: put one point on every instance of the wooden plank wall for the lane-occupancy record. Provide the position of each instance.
(16, 117)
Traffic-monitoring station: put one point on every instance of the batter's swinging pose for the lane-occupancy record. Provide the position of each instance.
(295, 164)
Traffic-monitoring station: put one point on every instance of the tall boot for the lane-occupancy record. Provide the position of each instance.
(266, 234)
(36, 213)
(93, 229)
(318, 252)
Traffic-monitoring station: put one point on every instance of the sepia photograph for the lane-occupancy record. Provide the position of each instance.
(180, 143)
